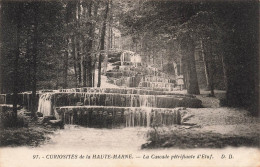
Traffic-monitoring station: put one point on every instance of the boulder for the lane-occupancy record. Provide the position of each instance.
(48, 126)
(56, 123)
(39, 114)
(27, 113)
(46, 119)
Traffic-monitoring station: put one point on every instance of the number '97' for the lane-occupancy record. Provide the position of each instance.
(36, 157)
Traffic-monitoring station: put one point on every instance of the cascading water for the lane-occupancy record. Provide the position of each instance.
(98, 116)
(143, 108)
(45, 104)
(149, 104)
(148, 112)
(137, 90)
(147, 101)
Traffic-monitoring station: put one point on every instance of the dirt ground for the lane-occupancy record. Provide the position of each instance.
(209, 127)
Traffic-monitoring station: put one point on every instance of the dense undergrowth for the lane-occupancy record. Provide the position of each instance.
(23, 136)
(24, 132)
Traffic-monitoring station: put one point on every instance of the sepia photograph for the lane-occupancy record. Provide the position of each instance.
(129, 83)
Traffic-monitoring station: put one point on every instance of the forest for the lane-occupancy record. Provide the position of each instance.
(61, 44)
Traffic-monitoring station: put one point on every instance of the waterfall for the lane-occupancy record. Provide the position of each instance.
(45, 104)
(148, 112)
(107, 116)
(144, 89)
(148, 104)
(137, 117)
(148, 101)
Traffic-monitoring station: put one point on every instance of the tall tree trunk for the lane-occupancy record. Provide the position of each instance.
(93, 28)
(84, 47)
(93, 74)
(242, 57)
(182, 71)
(83, 71)
(102, 44)
(79, 65)
(110, 30)
(193, 84)
(211, 78)
(190, 70)
(224, 70)
(34, 61)
(83, 63)
(74, 54)
(1, 47)
(57, 77)
(206, 66)
(78, 59)
(90, 43)
(16, 64)
(153, 56)
(110, 36)
(185, 74)
(68, 18)
(65, 67)
(211, 69)
(89, 71)
(72, 16)
(28, 63)
(79, 46)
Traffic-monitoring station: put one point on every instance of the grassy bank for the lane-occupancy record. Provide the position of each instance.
(27, 133)
(32, 136)
(187, 137)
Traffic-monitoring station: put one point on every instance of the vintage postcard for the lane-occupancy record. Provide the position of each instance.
(129, 83)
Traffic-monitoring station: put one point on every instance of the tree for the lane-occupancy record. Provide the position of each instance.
(34, 60)
(169, 20)
(18, 7)
(206, 31)
(241, 54)
(188, 59)
(102, 43)
(1, 45)
(65, 36)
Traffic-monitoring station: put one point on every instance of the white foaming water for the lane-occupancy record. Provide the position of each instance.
(148, 112)
(147, 100)
(45, 104)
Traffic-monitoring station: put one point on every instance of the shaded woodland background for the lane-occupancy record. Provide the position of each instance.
(59, 44)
